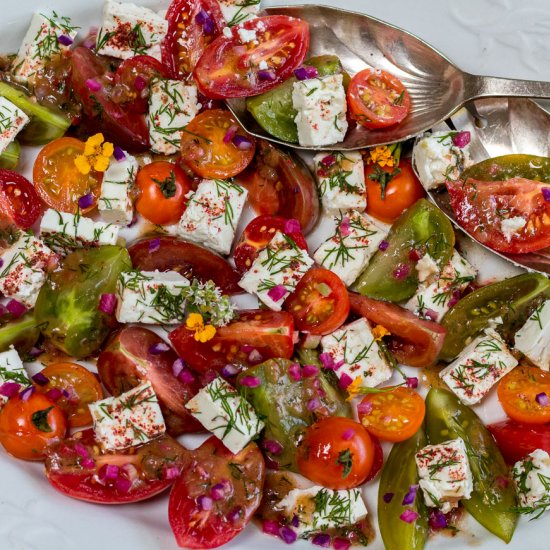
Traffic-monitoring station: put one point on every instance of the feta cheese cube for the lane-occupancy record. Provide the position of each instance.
(151, 297)
(172, 105)
(41, 43)
(12, 121)
(445, 474)
(318, 509)
(276, 271)
(479, 367)
(115, 205)
(128, 30)
(12, 370)
(510, 227)
(533, 338)
(212, 214)
(532, 479)
(238, 11)
(23, 269)
(437, 159)
(355, 350)
(341, 181)
(426, 268)
(222, 411)
(62, 231)
(131, 419)
(321, 105)
(350, 249)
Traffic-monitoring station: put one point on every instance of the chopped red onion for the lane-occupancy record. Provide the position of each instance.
(365, 407)
(345, 380)
(321, 539)
(415, 254)
(235, 514)
(461, 139)
(93, 85)
(270, 527)
(295, 372)
(348, 434)
(543, 399)
(287, 534)
(88, 463)
(328, 161)
(230, 134)
(177, 366)
(242, 142)
(107, 303)
(86, 201)
(546, 193)
(267, 74)
(35, 352)
(158, 348)
(81, 450)
(295, 521)
(16, 308)
(250, 381)
(55, 394)
(270, 463)
(229, 370)
(203, 19)
(9, 389)
(387, 498)
(412, 382)
(218, 491)
(401, 272)
(383, 245)
(410, 497)
(26, 393)
(40, 379)
(108, 472)
(408, 516)
(292, 226)
(437, 520)
(123, 485)
(455, 297)
(140, 83)
(305, 72)
(341, 544)
(310, 370)
(255, 356)
(345, 226)
(65, 40)
(327, 360)
(272, 446)
(172, 472)
(119, 153)
(205, 503)
(277, 292)
(186, 376)
(154, 245)
(313, 404)
(131, 471)
(431, 314)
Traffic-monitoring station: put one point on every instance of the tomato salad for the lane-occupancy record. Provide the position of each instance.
(161, 274)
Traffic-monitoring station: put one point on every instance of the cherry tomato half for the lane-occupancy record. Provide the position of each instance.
(516, 440)
(19, 202)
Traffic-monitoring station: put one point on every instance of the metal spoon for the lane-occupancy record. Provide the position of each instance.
(436, 86)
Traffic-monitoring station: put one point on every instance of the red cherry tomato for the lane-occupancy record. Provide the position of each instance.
(516, 440)
(378, 460)
(19, 201)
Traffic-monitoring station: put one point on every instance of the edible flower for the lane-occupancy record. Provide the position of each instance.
(382, 156)
(354, 388)
(203, 332)
(97, 153)
(379, 332)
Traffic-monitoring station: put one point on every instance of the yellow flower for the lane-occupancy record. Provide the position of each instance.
(203, 332)
(382, 156)
(379, 332)
(97, 154)
(354, 388)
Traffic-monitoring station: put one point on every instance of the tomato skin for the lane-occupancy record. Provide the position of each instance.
(314, 310)
(321, 454)
(162, 188)
(516, 440)
(402, 192)
(224, 71)
(18, 433)
(388, 100)
(196, 528)
(378, 460)
(19, 201)
(189, 259)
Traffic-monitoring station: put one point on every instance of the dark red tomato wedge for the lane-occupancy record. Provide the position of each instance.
(279, 184)
(76, 467)
(192, 25)
(377, 99)
(230, 66)
(125, 129)
(516, 440)
(197, 520)
(378, 460)
(257, 335)
(19, 201)
(481, 206)
(130, 358)
(191, 260)
(257, 235)
(320, 302)
(413, 341)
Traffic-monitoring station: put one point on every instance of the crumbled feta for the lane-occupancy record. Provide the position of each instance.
(356, 353)
(479, 367)
(533, 338)
(238, 11)
(12, 370)
(23, 269)
(341, 181)
(246, 35)
(12, 121)
(41, 43)
(131, 419)
(321, 105)
(222, 411)
(151, 297)
(128, 30)
(317, 509)
(276, 271)
(227, 32)
(426, 268)
(437, 159)
(510, 227)
(532, 480)
(263, 65)
(172, 105)
(350, 249)
(445, 474)
(212, 214)
(62, 231)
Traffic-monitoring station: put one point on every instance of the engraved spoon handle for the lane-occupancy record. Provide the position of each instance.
(491, 86)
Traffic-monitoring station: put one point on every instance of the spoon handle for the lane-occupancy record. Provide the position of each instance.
(491, 86)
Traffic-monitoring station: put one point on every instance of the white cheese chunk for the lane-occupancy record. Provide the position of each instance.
(356, 353)
(212, 214)
(341, 181)
(350, 249)
(151, 297)
(318, 509)
(321, 105)
(23, 269)
(172, 105)
(276, 271)
(12, 121)
(533, 338)
(426, 268)
(437, 159)
(510, 227)
(445, 474)
(41, 43)
(62, 231)
(222, 411)
(12, 370)
(128, 30)
(479, 367)
(532, 480)
(131, 419)
(238, 11)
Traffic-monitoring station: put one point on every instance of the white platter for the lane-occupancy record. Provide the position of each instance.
(497, 37)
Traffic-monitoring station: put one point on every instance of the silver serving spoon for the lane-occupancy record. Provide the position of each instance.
(436, 86)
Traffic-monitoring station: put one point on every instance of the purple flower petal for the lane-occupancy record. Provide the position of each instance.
(230, 134)
(158, 348)
(118, 153)
(65, 40)
(305, 72)
(410, 497)
(205, 502)
(250, 381)
(295, 372)
(242, 142)
(154, 245)
(383, 245)
(267, 75)
(40, 379)
(26, 393)
(437, 520)
(546, 193)
(287, 534)
(345, 380)
(229, 370)
(86, 201)
(408, 516)
(278, 292)
(387, 497)
(543, 399)
(313, 404)
(292, 226)
(310, 370)
(107, 303)
(461, 139)
(16, 308)
(327, 360)
(321, 539)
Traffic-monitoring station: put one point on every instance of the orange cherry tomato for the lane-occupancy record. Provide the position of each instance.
(162, 189)
(57, 179)
(27, 427)
(387, 202)
(392, 415)
(82, 388)
(204, 150)
(518, 391)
